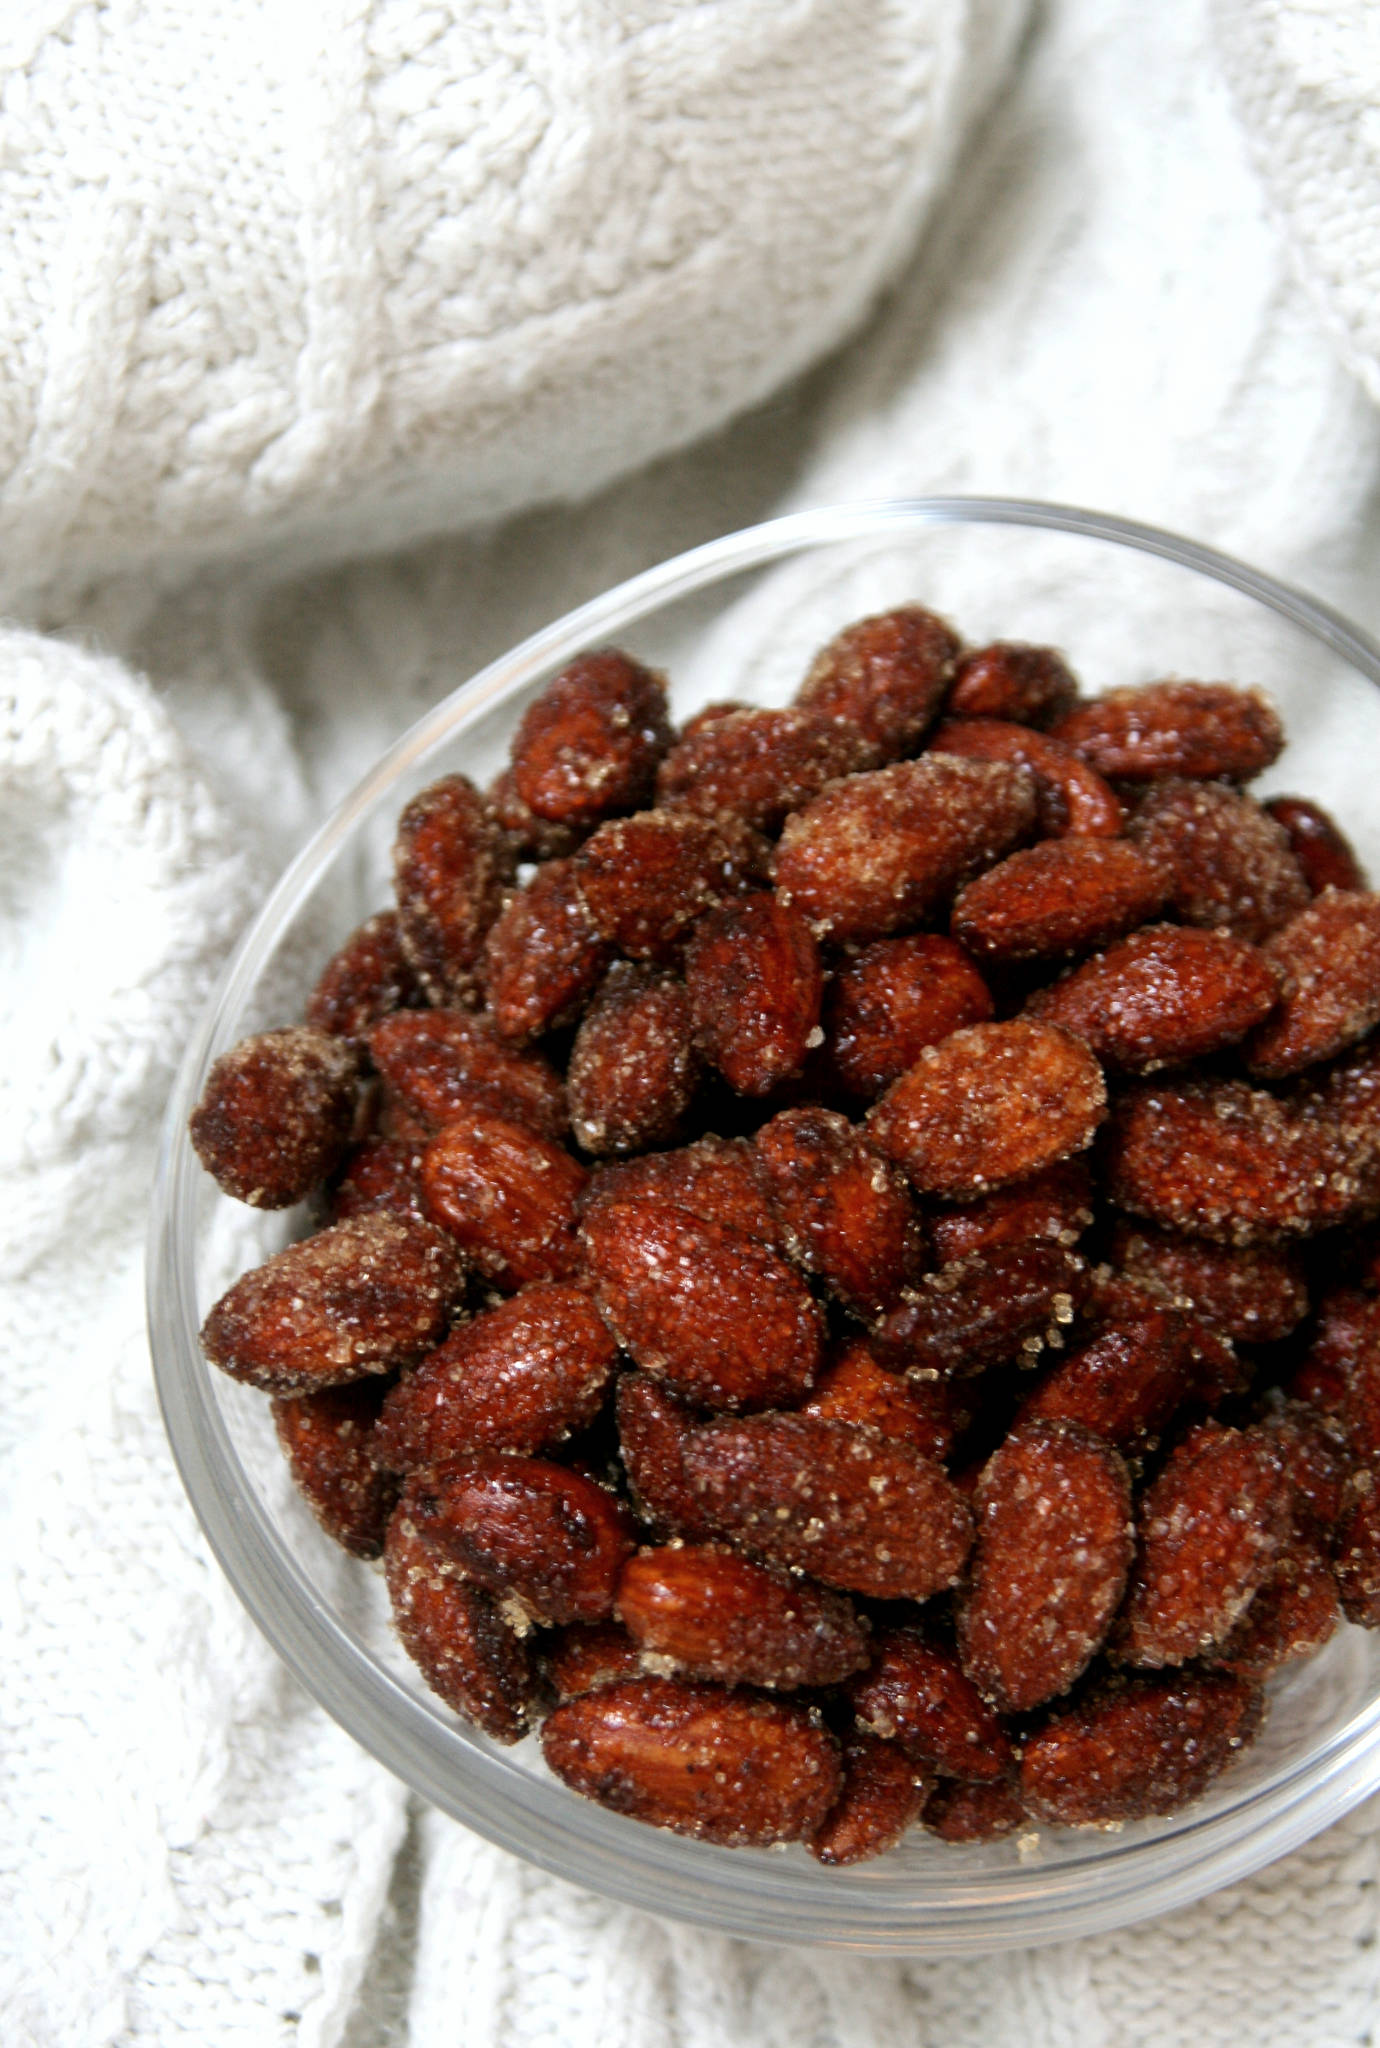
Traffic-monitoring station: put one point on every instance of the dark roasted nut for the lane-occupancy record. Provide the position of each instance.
(859, 1512)
(456, 1636)
(1318, 844)
(1255, 1296)
(759, 765)
(276, 1115)
(715, 1314)
(542, 958)
(878, 852)
(719, 1179)
(443, 1064)
(633, 1068)
(1054, 1204)
(1224, 1161)
(893, 999)
(328, 1440)
(1230, 866)
(884, 677)
(961, 1814)
(532, 1533)
(1356, 1549)
(1173, 728)
(380, 1173)
(520, 1377)
(1164, 996)
(1127, 1383)
(1009, 680)
(726, 1767)
(589, 745)
(587, 1654)
(928, 1415)
(507, 1195)
(1070, 796)
(882, 1795)
(1054, 1543)
(1062, 896)
(451, 863)
(1293, 1616)
(1210, 1528)
(644, 880)
(362, 1297)
(530, 837)
(1147, 1747)
(715, 1615)
(916, 1694)
(654, 1429)
(755, 983)
(1329, 957)
(988, 1106)
(846, 1213)
(1011, 1303)
(367, 979)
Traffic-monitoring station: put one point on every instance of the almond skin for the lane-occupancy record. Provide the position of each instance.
(589, 745)
(1166, 995)
(1063, 896)
(276, 1115)
(884, 677)
(728, 1767)
(507, 1195)
(723, 1617)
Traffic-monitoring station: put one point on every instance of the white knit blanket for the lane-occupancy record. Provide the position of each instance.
(290, 283)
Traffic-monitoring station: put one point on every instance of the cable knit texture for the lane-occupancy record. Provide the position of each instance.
(1104, 309)
(334, 274)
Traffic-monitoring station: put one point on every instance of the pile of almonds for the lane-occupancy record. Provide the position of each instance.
(847, 1283)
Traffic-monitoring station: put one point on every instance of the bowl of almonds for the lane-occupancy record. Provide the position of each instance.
(766, 1271)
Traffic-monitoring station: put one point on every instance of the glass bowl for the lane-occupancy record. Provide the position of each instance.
(740, 617)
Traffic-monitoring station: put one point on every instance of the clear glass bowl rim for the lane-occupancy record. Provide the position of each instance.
(970, 1912)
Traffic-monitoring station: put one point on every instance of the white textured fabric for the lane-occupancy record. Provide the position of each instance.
(331, 274)
(1306, 77)
(1105, 310)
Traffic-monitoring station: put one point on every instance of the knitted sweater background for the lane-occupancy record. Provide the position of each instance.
(1113, 303)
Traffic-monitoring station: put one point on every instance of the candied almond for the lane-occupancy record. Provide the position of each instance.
(1318, 844)
(990, 1105)
(1356, 1549)
(1312, 1448)
(542, 957)
(928, 1415)
(1126, 1383)
(759, 765)
(1146, 1747)
(366, 979)
(1230, 867)
(714, 1313)
(328, 1440)
(755, 983)
(519, 1377)
(735, 1768)
(720, 1180)
(880, 851)
(1329, 957)
(716, 1615)
(1010, 680)
(1210, 1528)
(507, 1195)
(589, 744)
(528, 1531)
(1062, 896)
(916, 1694)
(451, 864)
(846, 1213)
(1056, 1203)
(441, 1064)
(1070, 796)
(633, 1069)
(645, 879)
(962, 1814)
(361, 1297)
(891, 1000)
(1167, 994)
(1049, 1565)
(884, 676)
(456, 1636)
(276, 1114)
(379, 1173)
(1013, 1302)
(852, 1509)
(882, 1796)
(1254, 1295)
(530, 837)
(584, 1655)
(654, 1429)
(1151, 730)
(1292, 1616)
